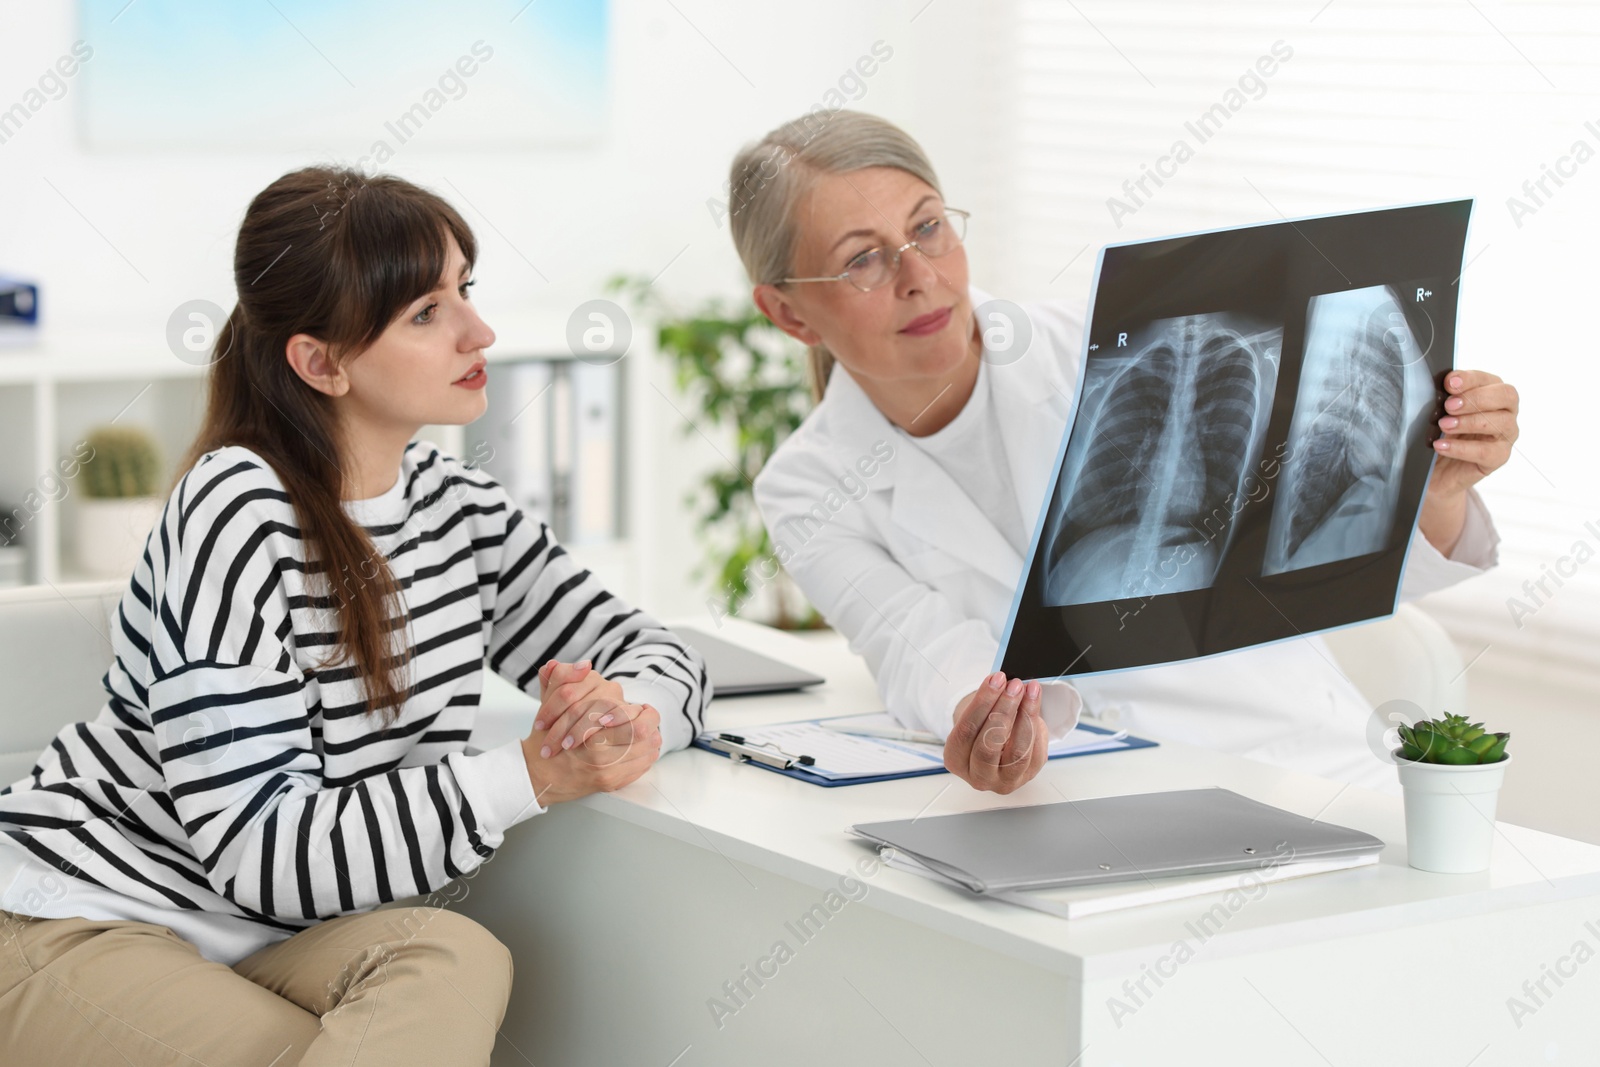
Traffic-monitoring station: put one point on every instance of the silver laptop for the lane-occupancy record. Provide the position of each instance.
(1114, 839)
(736, 671)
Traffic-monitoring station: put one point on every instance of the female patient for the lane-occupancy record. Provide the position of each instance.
(298, 661)
(852, 250)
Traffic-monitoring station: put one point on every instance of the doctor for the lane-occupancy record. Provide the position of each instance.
(903, 504)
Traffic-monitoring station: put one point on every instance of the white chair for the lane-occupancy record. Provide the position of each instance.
(55, 648)
(1407, 657)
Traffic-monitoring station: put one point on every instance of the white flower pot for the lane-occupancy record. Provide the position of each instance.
(111, 533)
(1450, 814)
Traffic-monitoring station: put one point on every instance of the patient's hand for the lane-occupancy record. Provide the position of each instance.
(595, 767)
(999, 740)
(575, 703)
(609, 757)
(586, 737)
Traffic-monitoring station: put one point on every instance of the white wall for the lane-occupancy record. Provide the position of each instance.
(1368, 104)
(118, 240)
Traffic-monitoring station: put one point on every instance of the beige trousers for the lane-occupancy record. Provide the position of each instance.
(396, 987)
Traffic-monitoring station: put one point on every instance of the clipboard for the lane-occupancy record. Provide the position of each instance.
(701, 741)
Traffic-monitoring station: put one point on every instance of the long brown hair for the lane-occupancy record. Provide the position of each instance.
(339, 255)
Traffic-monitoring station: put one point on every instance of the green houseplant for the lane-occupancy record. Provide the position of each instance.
(746, 376)
(120, 480)
(1451, 771)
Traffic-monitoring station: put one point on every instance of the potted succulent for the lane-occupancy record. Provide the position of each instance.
(120, 504)
(1451, 771)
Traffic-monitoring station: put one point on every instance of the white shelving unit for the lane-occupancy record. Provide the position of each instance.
(53, 392)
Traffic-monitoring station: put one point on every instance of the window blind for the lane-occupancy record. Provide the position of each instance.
(1254, 111)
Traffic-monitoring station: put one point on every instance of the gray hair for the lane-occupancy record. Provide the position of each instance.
(770, 177)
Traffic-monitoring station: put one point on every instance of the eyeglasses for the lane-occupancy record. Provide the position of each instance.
(933, 237)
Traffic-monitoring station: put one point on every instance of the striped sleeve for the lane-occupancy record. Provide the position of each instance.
(275, 838)
(548, 607)
(234, 731)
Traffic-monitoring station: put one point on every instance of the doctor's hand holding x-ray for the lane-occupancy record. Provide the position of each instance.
(998, 740)
(1478, 428)
(852, 251)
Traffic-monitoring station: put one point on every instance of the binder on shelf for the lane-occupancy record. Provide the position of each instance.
(521, 433)
(594, 484)
(553, 437)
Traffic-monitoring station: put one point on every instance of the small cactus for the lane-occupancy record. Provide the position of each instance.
(124, 463)
(1451, 740)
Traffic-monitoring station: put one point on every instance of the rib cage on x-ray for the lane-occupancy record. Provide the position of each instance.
(1148, 484)
(1363, 382)
(1363, 389)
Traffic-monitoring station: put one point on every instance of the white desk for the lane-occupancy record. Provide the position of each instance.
(628, 912)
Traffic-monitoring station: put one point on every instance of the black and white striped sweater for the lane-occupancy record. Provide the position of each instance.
(227, 775)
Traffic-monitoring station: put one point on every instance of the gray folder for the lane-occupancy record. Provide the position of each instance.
(1114, 839)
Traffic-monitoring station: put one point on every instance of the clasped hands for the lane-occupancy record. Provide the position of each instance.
(586, 737)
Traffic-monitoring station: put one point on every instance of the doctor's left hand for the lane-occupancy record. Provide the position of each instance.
(1478, 428)
(999, 740)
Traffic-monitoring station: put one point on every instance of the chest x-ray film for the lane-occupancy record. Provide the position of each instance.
(1252, 437)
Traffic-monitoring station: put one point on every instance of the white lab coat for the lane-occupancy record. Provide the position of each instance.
(906, 566)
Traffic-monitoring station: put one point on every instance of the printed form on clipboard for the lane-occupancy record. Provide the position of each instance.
(826, 749)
